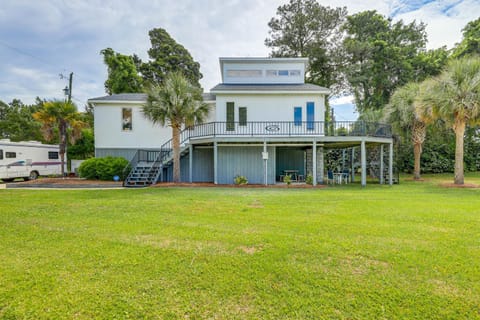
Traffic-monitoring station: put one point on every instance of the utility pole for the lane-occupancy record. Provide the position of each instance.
(68, 90)
(70, 87)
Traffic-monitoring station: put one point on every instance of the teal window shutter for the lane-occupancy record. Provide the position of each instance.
(230, 116)
(242, 116)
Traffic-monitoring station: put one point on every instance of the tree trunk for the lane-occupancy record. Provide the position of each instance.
(459, 129)
(176, 152)
(418, 137)
(417, 152)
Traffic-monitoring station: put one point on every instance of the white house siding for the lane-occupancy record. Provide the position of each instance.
(109, 133)
(270, 107)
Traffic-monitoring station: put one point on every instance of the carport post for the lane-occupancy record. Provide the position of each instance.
(381, 165)
(215, 162)
(353, 165)
(190, 162)
(314, 161)
(363, 153)
(390, 164)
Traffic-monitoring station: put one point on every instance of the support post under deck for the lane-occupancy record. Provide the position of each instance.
(215, 163)
(314, 162)
(363, 153)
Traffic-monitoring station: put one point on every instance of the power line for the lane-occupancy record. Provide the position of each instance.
(26, 53)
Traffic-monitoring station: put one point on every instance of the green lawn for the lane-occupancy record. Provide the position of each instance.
(411, 251)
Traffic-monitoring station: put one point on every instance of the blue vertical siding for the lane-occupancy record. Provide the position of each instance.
(203, 164)
(245, 161)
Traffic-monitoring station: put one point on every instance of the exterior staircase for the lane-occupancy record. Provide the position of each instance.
(146, 167)
(142, 175)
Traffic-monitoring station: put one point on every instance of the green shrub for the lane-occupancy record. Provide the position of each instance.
(287, 179)
(309, 179)
(240, 180)
(103, 168)
(88, 169)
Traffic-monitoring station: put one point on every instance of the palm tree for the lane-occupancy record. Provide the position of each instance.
(454, 97)
(400, 112)
(61, 116)
(176, 103)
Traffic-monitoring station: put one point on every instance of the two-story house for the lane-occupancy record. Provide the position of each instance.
(265, 122)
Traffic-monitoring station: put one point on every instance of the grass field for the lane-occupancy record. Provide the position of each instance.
(411, 251)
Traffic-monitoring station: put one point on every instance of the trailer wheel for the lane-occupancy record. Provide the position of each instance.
(33, 175)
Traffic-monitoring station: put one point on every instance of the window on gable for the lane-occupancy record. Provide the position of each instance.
(271, 73)
(127, 119)
(244, 73)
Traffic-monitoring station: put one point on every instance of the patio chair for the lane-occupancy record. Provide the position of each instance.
(346, 175)
(330, 178)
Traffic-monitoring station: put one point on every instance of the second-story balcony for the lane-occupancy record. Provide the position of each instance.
(288, 129)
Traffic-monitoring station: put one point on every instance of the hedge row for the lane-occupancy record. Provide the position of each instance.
(104, 168)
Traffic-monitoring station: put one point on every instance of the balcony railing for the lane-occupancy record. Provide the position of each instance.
(288, 129)
(261, 129)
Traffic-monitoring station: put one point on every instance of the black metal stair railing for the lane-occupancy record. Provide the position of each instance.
(259, 128)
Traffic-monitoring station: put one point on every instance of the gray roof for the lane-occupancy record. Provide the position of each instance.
(269, 87)
(139, 97)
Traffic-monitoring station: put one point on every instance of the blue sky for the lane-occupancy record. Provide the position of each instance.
(39, 40)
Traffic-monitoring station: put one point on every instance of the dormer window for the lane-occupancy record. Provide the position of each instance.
(244, 73)
(283, 73)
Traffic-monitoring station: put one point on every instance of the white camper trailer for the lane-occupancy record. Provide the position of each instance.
(28, 160)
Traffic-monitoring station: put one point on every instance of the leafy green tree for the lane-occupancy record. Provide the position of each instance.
(83, 147)
(123, 76)
(304, 28)
(61, 116)
(453, 97)
(470, 44)
(176, 103)
(400, 112)
(17, 122)
(167, 56)
(380, 56)
(429, 63)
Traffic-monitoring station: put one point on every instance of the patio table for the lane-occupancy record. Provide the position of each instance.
(292, 173)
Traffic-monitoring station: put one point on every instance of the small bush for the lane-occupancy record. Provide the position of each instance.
(103, 168)
(240, 180)
(309, 179)
(287, 179)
